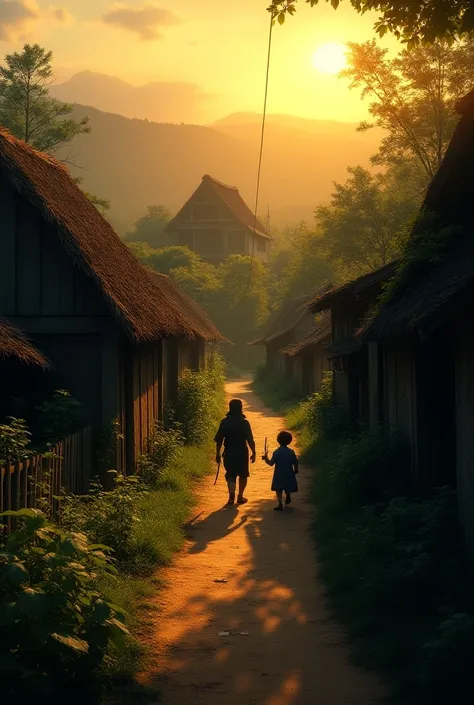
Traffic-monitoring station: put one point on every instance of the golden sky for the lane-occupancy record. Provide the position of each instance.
(218, 45)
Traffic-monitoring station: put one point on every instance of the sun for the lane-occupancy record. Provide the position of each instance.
(330, 58)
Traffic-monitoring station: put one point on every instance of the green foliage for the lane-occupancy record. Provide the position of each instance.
(106, 516)
(411, 21)
(277, 391)
(164, 446)
(319, 414)
(54, 624)
(26, 107)
(58, 417)
(199, 400)
(150, 228)
(14, 441)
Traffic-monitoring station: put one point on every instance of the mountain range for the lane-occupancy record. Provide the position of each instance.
(135, 162)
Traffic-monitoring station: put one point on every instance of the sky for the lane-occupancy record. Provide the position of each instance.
(219, 46)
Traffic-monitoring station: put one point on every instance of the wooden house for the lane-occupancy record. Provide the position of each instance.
(215, 222)
(353, 362)
(88, 305)
(292, 323)
(426, 329)
(310, 356)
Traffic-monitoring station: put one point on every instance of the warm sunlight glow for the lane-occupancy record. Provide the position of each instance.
(330, 58)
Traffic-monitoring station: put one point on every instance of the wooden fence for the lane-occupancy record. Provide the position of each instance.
(36, 480)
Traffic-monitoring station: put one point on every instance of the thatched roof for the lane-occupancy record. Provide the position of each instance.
(356, 288)
(13, 343)
(198, 319)
(135, 298)
(231, 197)
(320, 334)
(286, 319)
(429, 291)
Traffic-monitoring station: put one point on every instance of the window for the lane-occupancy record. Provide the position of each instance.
(236, 242)
(206, 211)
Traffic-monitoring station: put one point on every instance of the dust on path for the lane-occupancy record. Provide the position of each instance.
(293, 654)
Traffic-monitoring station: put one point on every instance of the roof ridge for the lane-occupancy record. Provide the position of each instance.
(220, 183)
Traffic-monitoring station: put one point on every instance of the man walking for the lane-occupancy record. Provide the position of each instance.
(236, 435)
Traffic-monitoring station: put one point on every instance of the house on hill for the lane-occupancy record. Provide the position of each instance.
(215, 222)
(89, 306)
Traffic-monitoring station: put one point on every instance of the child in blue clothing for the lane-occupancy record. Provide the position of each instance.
(286, 468)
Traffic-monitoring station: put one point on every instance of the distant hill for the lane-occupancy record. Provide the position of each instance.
(159, 101)
(136, 163)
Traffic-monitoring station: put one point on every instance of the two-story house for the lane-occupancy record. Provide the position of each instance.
(215, 222)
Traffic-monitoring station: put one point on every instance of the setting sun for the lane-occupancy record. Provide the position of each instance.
(330, 58)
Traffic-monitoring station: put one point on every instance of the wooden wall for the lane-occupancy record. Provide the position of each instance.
(464, 401)
(145, 395)
(399, 393)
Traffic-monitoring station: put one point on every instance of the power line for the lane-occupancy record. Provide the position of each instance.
(260, 159)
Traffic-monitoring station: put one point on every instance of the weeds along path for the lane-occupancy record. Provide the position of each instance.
(251, 572)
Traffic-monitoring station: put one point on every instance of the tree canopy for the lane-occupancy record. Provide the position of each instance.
(150, 228)
(411, 21)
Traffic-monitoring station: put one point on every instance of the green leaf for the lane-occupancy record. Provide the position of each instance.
(101, 611)
(15, 573)
(281, 18)
(335, 4)
(118, 634)
(71, 642)
(28, 513)
(8, 616)
(33, 603)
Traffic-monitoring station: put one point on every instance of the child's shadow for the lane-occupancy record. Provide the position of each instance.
(214, 527)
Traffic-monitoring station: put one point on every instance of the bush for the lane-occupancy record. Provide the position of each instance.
(319, 413)
(58, 417)
(276, 391)
(370, 467)
(54, 625)
(107, 517)
(14, 441)
(163, 447)
(199, 401)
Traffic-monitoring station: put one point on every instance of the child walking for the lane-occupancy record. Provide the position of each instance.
(286, 468)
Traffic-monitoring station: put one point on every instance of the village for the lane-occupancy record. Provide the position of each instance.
(132, 566)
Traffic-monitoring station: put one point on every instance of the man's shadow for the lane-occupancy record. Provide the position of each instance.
(214, 527)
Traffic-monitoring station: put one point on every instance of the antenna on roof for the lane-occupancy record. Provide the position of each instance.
(267, 220)
(273, 15)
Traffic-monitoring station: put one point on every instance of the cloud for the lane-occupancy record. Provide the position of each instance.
(16, 16)
(60, 14)
(146, 21)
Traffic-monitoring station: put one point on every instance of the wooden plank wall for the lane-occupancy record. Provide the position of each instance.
(464, 433)
(400, 399)
(147, 393)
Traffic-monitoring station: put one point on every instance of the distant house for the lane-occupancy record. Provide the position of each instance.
(216, 222)
(292, 323)
(310, 356)
(88, 305)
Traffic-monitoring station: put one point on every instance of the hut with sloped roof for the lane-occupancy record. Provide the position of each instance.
(311, 356)
(425, 327)
(215, 222)
(356, 366)
(292, 323)
(78, 292)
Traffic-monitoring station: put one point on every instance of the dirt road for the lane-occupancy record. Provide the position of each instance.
(282, 648)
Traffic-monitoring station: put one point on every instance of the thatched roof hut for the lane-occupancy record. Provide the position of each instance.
(139, 303)
(320, 334)
(14, 344)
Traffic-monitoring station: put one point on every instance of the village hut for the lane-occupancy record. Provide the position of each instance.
(71, 284)
(292, 323)
(425, 326)
(355, 366)
(311, 355)
(215, 222)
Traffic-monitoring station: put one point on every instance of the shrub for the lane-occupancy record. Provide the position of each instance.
(320, 415)
(14, 441)
(163, 447)
(276, 390)
(107, 517)
(58, 417)
(54, 625)
(370, 467)
(199, 400)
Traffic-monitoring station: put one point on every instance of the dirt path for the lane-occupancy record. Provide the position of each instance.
(293, 654)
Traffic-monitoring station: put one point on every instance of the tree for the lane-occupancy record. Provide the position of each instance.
(365, 224)
(150, 228)
(411, 21)
(26, 107)
(413, 98)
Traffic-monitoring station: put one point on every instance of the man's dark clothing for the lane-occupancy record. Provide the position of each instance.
(236, 433)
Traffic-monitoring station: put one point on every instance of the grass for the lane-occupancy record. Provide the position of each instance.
(163, 514)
